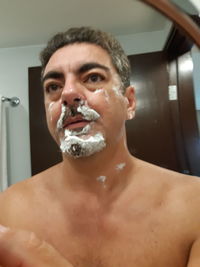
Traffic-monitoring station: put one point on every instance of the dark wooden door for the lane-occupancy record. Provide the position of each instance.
(44, 151)
(150, 136)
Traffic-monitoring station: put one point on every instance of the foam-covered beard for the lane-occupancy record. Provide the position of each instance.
(78, 143)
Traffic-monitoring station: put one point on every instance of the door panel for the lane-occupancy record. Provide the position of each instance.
(150, 135)
(44, 151)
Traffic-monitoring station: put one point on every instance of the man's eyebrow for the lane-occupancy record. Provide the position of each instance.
(92, 65)
(52, 75)
(84, 68)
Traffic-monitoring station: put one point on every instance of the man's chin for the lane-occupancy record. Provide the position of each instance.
(83, 145)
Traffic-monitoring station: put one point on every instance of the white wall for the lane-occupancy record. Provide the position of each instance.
(14, 63)
(196, 76)
(143, 42)
(196, 81)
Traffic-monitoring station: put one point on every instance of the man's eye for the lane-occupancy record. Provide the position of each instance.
(52, 87)
(93, 78)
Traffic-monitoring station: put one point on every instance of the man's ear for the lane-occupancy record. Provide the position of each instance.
(131, 102)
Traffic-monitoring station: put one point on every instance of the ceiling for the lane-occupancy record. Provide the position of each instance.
(28, 22)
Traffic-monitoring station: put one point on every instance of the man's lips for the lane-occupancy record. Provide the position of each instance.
(74, 123)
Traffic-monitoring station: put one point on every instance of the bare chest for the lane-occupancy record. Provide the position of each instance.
(133, 233)
(144, 240)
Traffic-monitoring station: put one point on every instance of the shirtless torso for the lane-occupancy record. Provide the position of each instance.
(106, 208)
(154, 221)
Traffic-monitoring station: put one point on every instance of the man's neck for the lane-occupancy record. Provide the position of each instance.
(108, 171)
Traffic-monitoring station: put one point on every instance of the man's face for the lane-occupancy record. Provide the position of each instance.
(83, 95)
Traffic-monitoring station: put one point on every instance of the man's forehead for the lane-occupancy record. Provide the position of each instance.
(76, 55)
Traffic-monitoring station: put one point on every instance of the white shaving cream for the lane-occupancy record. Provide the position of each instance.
(118, 86)
(104, 92)
(78, 147)
(106, 96)
(98, 91)
(120, 166)
(50, 109)
(62, 117)
(117, 90)
(88, 113)
(85, 130)
(76, 143)
(101, 179)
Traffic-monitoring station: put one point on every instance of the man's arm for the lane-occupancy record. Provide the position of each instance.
(22, 248)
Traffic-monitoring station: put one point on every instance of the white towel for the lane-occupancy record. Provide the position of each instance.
(3, 147)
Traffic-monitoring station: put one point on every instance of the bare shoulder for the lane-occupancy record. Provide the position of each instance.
(11, 200)
(179, 206)
(180, 191)
(17, 197)
(173, 178)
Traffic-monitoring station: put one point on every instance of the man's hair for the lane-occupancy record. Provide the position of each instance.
(93, 36)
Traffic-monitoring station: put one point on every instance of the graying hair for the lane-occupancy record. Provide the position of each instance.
(93, 36)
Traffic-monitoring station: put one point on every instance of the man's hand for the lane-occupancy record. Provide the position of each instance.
(20, 248)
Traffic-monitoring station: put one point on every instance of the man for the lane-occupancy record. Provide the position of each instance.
(100, 206)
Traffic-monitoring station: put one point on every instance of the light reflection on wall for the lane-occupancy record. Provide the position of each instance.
(187, 66)
(196, 80)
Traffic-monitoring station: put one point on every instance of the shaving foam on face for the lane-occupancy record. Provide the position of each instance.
(117, 90)
(85, 130)
(62, 117)
(88, 113)
(106, 96)
(76, 143)
(97, 91)
(50, 109)
(78, 147)
(118, 85)
(50, 105)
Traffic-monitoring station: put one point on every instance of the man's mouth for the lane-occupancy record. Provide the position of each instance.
(75, 123)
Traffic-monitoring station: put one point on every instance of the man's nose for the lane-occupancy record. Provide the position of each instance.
(72, 94)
